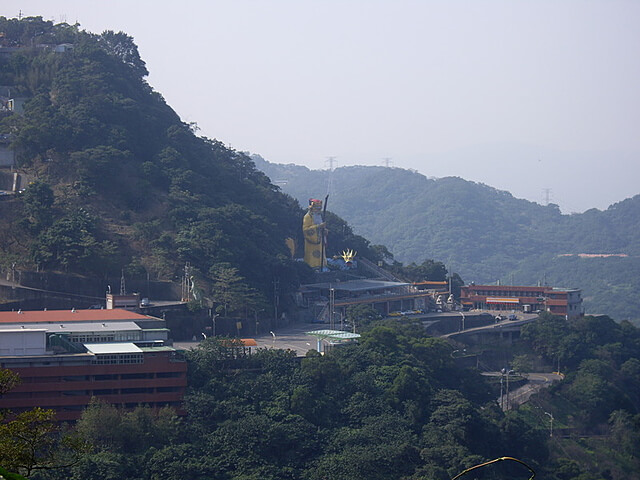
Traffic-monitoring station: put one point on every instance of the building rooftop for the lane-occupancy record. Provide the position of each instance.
(334, 334)
(108, 348)
(163, 348)
(62, 316)
(521, 287)
(13, 329)
(358, 285)
(76, 327)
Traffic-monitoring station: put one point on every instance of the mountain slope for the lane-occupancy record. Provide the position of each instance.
(119, 182)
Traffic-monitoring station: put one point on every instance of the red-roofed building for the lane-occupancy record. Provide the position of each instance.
(558, 301)
(64, 358)
(64, 316)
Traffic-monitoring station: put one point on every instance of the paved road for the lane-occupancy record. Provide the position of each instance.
(522, 319)
(537, 381)
(9, 283)
(292, 337)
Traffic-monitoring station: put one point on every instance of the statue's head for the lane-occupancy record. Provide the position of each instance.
(315, 205)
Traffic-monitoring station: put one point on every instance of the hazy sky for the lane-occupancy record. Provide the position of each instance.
(521, 95)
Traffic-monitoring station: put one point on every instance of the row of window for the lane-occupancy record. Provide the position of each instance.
(98, 378)
(128, 405)
(118, 359)
(105, 338)
(92, 338)
(508, 294)
(88, 393)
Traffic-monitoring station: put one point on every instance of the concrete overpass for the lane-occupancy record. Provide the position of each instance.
(505, 330)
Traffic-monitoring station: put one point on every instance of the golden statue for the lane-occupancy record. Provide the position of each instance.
(315, 235)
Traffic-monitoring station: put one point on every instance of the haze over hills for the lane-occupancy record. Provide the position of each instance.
(484, 234)
(542, 175)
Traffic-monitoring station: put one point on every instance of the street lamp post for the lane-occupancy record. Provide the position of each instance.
(504, 372)
(332, 302)
(507, 389)
(213, 320)
(550, 423)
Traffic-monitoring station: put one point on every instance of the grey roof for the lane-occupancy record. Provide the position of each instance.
(163, 348)
(334, 334)
(18, 330)
(107, 348)
(76, 327)
(358, 285)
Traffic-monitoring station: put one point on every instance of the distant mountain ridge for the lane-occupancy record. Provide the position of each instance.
(484, 234)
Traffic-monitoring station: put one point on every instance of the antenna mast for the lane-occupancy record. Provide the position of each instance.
(123, 288)
(330, 161)
(186, 293)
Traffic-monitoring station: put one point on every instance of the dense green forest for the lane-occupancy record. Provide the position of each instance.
(119, 183)
(485, 235)
(394, 406)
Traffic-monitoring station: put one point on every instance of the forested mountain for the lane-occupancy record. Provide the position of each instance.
(484, 234)
(119, 182)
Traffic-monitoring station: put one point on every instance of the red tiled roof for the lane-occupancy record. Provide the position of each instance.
(57, 316)
(238, 342)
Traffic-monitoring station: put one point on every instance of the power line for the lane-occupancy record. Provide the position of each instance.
(330, 161)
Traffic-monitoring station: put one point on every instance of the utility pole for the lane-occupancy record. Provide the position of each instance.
(276, 301)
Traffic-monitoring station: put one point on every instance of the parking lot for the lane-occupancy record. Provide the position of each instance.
(292, 337)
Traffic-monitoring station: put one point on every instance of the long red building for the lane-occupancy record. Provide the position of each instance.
(64, 358)
(558, 301)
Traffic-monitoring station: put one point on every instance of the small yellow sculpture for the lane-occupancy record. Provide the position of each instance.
(348, 256)
(314, 230)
